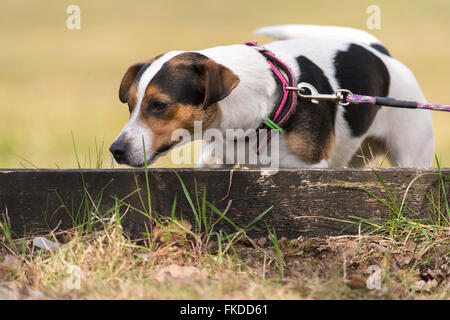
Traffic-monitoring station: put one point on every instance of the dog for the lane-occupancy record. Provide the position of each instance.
(234, 87)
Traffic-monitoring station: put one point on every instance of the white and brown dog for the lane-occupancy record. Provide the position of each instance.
(233, 87)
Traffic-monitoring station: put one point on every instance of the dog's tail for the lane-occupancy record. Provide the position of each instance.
(292, 31)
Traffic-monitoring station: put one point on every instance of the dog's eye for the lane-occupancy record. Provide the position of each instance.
(158, 106)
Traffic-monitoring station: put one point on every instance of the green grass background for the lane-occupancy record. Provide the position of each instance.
(56, 82)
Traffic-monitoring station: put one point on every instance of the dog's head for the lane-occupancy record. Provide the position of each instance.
(166, 93)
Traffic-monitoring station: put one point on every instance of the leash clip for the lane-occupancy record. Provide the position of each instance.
(308, 91)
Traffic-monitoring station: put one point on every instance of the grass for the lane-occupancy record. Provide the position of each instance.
(403, 220)
(199, 243)
(180, 259)
(274, 239)
(177, 258)
(6, 231)
(423, 238)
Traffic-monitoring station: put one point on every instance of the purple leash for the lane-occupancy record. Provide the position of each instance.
(345, 97)
(390, 102)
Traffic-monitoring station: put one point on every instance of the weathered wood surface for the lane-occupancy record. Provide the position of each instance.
(36, 200)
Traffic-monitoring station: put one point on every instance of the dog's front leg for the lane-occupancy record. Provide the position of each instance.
(290, 157)
(222, 154)
(209, 158)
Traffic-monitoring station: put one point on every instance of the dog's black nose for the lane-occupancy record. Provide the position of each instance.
(118, 149)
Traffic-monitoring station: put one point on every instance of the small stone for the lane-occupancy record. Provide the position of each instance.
(45, 244)
(144, 256)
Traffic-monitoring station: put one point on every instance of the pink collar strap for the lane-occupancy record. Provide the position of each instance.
(285, 107)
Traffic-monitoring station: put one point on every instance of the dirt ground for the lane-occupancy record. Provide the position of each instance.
(111, 266)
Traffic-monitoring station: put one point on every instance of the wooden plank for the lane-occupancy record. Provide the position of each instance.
(38, 200)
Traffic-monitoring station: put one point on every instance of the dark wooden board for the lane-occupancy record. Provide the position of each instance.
(38, 200)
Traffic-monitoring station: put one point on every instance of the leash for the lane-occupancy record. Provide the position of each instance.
(286, 104)
(345, 97)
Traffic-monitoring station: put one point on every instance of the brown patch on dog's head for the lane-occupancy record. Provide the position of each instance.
(130, 78)
(185, 89)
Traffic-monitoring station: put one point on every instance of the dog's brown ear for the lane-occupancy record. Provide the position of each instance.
(127, 81)
(218, 81)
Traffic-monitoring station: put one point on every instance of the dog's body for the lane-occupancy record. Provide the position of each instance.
(233, 87)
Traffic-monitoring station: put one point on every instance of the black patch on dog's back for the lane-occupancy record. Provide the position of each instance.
(361, 72)
(380, 48)
(313, 123)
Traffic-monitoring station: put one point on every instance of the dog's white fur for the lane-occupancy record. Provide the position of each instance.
(293, 31)
(408, 133)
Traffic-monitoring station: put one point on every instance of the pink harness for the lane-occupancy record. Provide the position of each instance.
(286, 105)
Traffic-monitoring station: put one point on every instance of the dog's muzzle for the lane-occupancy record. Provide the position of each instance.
(119, 150)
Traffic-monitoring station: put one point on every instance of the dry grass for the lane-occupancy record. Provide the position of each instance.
(114, 267)
(409, 249)
(55, 82)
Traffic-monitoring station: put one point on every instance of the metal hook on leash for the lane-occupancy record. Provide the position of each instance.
(316, 97)
(345, 97)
